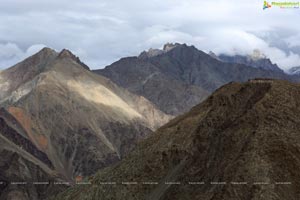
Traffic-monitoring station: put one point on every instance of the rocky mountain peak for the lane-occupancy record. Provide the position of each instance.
(155, 52)
(44, 54)
(257, 60)
(49, 94)
(170, 46)
(257, 55)
(67, 54)
(47, 51)
(150, 53)
(36, 64)
(31, 66)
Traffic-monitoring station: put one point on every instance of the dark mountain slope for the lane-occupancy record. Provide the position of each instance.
(143, 78)
(242, 142)
(195, 67)
(162, 75)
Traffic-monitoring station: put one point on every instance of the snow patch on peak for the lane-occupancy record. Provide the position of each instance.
(257, 55)
(170, 46)
(155, 52)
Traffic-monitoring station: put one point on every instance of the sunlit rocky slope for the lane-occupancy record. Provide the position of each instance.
(59, 121)
(242, 142)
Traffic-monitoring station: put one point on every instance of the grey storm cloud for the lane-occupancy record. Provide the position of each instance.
(102, 31)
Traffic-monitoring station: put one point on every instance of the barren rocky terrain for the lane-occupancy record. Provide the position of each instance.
(59, 121)
(240, 143)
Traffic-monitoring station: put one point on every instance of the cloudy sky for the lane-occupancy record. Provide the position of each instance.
(102, 31)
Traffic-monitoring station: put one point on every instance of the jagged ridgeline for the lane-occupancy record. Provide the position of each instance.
(61, 122)
(242, 142)
(179, 76)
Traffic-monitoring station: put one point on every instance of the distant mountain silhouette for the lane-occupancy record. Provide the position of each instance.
(257, 60)
(294, 71)
(180, 76)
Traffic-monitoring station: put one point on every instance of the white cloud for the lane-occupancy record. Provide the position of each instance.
(234, 42)
(101, 32)
(10, 53)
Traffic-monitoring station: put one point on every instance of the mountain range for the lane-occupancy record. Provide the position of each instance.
(59, 120)
(294, 70)
(242, 142)
(63, 123)
(180, 76)
(256, 60)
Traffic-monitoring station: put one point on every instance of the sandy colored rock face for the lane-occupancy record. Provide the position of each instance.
(240, 143)
(62, 122)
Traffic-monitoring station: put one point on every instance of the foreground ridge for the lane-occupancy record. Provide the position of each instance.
(240, 143)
